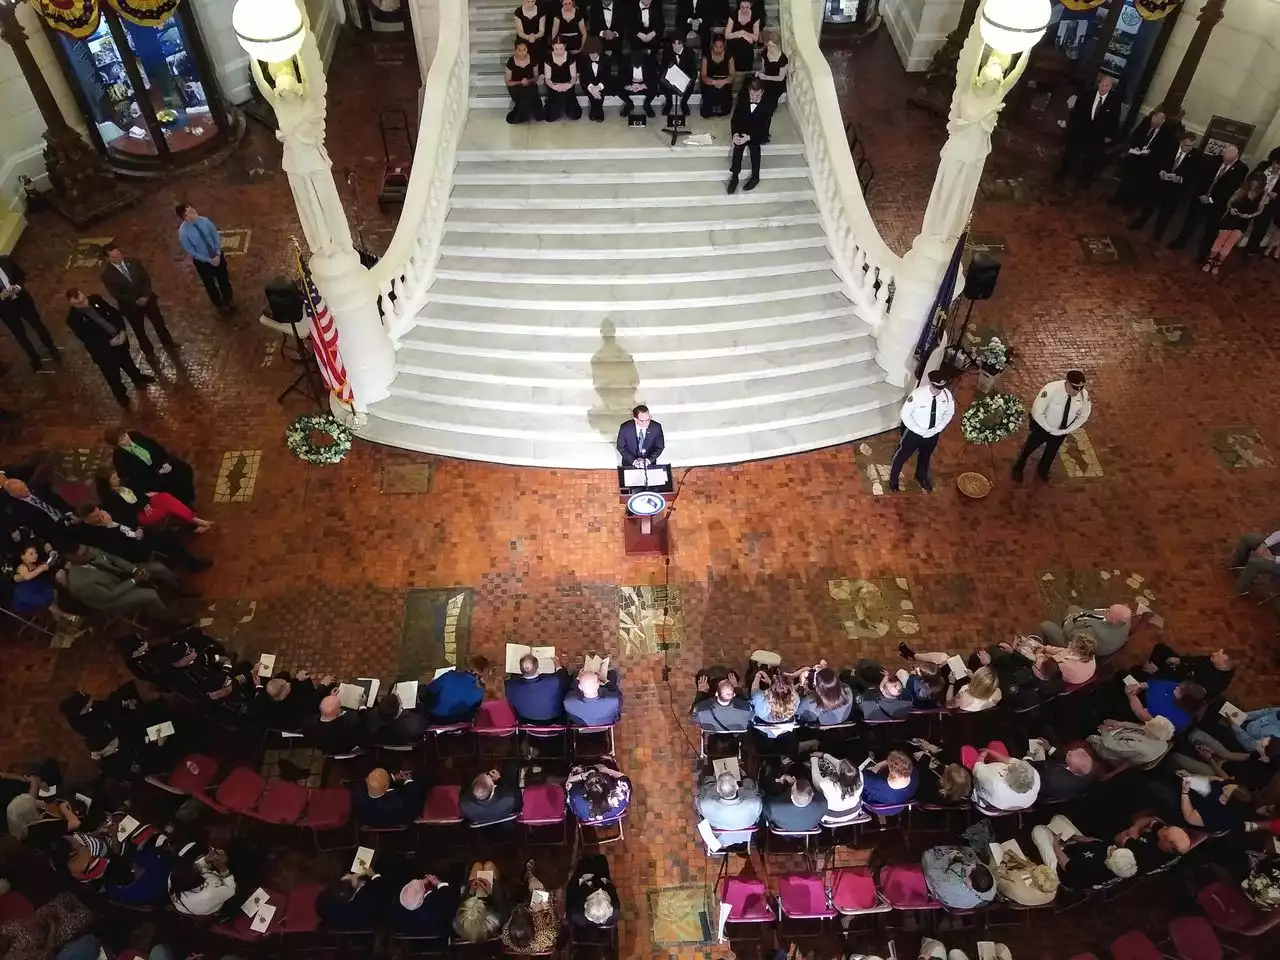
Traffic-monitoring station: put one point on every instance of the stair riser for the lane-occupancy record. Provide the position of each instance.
(625, 306)
(463, 227)
(623, 203)
(607, 279)
(448, 249)
(641, 329)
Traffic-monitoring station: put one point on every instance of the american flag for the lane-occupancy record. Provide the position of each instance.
(324, 340)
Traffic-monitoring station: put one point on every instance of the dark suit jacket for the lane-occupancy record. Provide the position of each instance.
(654, 442)
(1165, 137)
(753, 124)
(538, 699)
(1189, 169)
(598, 72)
(649, 74)
(355, 910)
(1226, 185)
(398, 807)
(505, 802)
(127, 290)
(16, 275)
(687, 61)
(782, 814)
(621, 22)
(112, 540)
(96, 340)
(20, 513)
(577, 890)
(1086, 130)
(655, 24)
(147, 478)
(343, 735)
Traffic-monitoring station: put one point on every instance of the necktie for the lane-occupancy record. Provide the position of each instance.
(1222, 168)
(1151, 139)
(1178, 159)
(4, 281)
(640, 440)
(40, 504)
(1097, 102)
(1066, 414)
(933, 413)
(123, 269)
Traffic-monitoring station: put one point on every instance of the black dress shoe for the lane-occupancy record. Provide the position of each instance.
(752, 183)
(925, 485)
(143, 378)
(893, 487)
(648, 110)
(733, 185)
(1044, 477)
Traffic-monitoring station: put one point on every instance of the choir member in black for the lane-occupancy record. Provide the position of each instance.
(772, 74)
(608, 23)
(676, 54)
(1167, 184)
(531, 27)
(570, 26)
(595, 72)
(521, 75)
(701, 17)
(1147, 147)
(639, 79)
(742, 33)
(561, 75)
(750, 128)
(645, 32)
(717, 81)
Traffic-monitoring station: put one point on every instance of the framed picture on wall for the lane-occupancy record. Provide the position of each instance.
(1222, 131)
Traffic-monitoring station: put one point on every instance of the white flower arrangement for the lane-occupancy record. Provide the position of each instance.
(994, 357)
(1262, 886)
(301, 438)
(991, 418)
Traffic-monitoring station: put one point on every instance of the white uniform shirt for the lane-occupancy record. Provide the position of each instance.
(1048, 405)
(915, 412)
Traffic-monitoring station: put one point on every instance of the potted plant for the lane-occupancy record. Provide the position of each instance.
(992, 360)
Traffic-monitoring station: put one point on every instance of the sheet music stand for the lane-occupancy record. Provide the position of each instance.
(646, 536)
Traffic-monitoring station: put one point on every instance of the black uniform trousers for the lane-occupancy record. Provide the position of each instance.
(216, 280)
(1038, 437)
(116, 360)
(911, 443)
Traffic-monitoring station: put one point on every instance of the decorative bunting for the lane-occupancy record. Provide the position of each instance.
(145, 13)
(1079, 6)
(78, 18)
(1155, 9)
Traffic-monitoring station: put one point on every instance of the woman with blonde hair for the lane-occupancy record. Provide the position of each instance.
(1020, 880)
(1077, 661)
(982, 692)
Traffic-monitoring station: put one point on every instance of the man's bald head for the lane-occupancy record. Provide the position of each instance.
(330, 707)
(377, 782)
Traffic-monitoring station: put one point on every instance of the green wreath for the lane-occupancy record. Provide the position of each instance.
(318, 438)
(991, 418)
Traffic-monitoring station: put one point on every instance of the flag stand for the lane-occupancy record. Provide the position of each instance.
(308, 383)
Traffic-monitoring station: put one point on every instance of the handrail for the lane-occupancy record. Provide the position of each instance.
(863, 260)
(406, 270)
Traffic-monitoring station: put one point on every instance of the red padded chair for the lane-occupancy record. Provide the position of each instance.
(853, 892)
(749, 904)
(238, 794)
(543, 805)
(1228, 909)
(240, 928)
(13, 906)
(904, 887)
(1194, 938)
(495, 722)
(803, 896)
(328, 808)
(281, 802)
(300, 908)
(190, 776)
(1134, 945)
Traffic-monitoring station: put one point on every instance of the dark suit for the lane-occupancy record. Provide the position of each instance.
(753, 123)
(398, 807)
(128, 284)
(1088, 133)
(637, 27)
(21, 308)
(341, 908)
(648, 76)
(505, 802)
(714, 14)
(47, 524)
(1218, 184)
(629, 445)
(1162, 195)
(1152, 143)
(150, 545)
(343, 735)
(687, 61)
(590, 875)
(141, 477)
(619, 24)
(538, 699)
(112, 360)
(591, 72)
(784, 815)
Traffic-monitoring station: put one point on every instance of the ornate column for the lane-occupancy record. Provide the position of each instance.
(983, 78)
(296, 90)
(1206, 20)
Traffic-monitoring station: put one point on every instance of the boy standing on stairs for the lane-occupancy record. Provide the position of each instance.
(750, 128)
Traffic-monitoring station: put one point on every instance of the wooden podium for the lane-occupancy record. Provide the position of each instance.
(645, 534)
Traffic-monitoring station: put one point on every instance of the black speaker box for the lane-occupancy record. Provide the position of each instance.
(980, 280)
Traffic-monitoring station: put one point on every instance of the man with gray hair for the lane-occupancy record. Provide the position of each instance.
(1109, 626)
(791, 806)
(591, 899)
(730, 807)
(1000, 783)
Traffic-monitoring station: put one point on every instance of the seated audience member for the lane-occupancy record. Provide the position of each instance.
(841, 784)
(598, 793)
(926, 687)
(334, 731)
(41, 934)
(1065, 776)
(1141, 745)
(774, 702)
(1018, 879)
(727, 711)
(355, 902)
(493, 796)
(1153, 842)
(146, 465)
(114, 586)
(532, 927)
(45, 514)
(881, 697)
(1109, 628)
(591, 899)
(1212, 803)
(1082, 863)
(537, 697)
(957, 877)
(982, 692)
(828, 699)
(395, 724)
(284, 702)
(1212, 671)
(890, 782)
(1257, 730)
(730, 807)
(428, 907)
(1028, 677)
(1000, 783)
(456, 695)
(791, 804)
(200, 885)
(33, 588)
(1256, 556)
(1076, 660)
(479, 915)
(595, 702)
(387, 800)
(1176, 702)
(945, 781)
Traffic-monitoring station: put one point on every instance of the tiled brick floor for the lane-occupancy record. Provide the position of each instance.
(351, 568)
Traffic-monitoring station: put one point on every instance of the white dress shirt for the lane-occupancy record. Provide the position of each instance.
(1098, 100)
(915, 412)
(991, 790)
(1049, 404)
(5, 282)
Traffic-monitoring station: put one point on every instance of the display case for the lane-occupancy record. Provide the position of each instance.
(148, 94)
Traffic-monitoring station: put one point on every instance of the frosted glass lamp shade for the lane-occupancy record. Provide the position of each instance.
(269, 30)
(1013, 26)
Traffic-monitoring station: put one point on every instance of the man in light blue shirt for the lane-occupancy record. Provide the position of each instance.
(1255, 556)
(1258, 725)
(200, 239)
(732, 808)
(957, 877)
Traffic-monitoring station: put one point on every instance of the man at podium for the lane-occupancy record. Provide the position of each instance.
(640, 439)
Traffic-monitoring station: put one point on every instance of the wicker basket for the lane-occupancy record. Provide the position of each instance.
(973, 485)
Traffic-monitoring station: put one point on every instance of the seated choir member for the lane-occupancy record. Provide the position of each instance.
(531, 27)
(569, 25)
(639, 79)
(750, 130)
(521, 76)
(677, 54)
(716, 80)
(595, 73)
(560, 74)
(607, 26)
(646, 28)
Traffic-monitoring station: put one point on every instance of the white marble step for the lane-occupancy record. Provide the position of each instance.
(646, 296)
(660, 220)
(516, 277)
(625, 149)
(633, 326)
(677, 168)
(526, 245)
(686, 195)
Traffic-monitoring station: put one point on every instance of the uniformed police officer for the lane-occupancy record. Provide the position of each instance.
(929, 408)
(1061, 408)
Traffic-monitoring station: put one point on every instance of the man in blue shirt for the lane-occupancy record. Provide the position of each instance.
(456, 695)
(1174, 701)
(200, 239)
(537, 697)
(594, 704)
